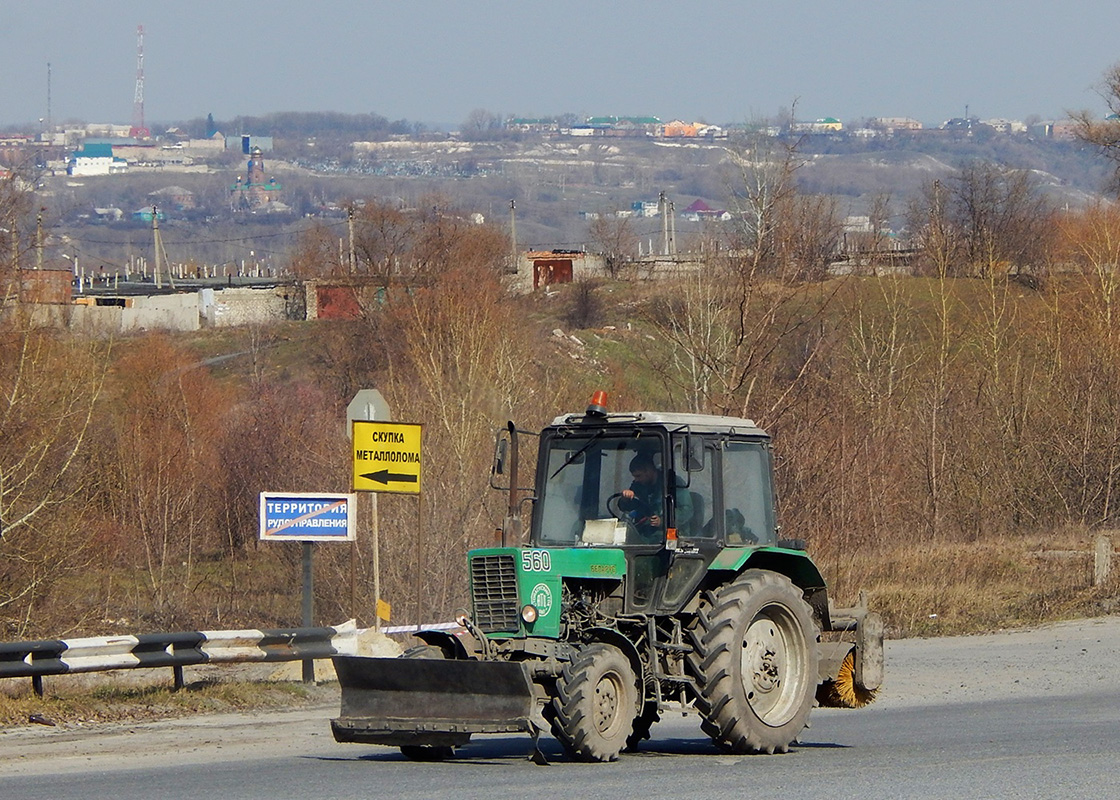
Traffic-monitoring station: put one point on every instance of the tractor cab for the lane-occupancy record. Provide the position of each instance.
(671, 490)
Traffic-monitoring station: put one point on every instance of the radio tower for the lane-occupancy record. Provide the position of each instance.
(138, 129)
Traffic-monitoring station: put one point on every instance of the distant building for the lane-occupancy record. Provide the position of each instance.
(108, 214)
(618, 126)
(95, 159)
(104, 130)
(254, 192)
(247, 143)
(532, 125)
(893, 124)
(1065, 130)
(700, 210)
(174, 197)
(678, 128)
(210, 146)
(1006, 125)
(539, 269)
(147, 214)
(823, 125)
(692, 130)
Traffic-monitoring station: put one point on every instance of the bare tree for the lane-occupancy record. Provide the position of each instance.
(737, 341)
(319, 252)
(1104, 134)
(481, 124)
(762, 190)
(937, 239)
(987, 219)
(383, 237)
(16, 203)
(1002, 218)
(867, 249)
(810, 237)
(614, 237)
(160, 457)
(49, 390)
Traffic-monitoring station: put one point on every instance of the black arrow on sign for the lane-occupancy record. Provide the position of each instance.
(385, 476)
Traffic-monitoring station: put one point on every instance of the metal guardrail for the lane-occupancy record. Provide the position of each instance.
(175, 650)
(439, 626)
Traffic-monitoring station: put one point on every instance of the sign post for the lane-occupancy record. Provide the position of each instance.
(387, 459)
(369, 405)
(307, 517)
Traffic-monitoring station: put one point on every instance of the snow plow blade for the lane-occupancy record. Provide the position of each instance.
(414, 701)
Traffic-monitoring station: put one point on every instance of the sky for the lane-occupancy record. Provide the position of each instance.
(434, 61)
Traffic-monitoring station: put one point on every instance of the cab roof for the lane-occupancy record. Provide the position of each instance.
(696, 423)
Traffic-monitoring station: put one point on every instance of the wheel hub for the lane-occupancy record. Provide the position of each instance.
(763, 658)
(606, 703)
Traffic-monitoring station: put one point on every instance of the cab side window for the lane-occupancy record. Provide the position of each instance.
(747, 494)
(699, 505)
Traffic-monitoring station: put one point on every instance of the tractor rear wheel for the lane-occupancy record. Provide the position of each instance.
(595, 704)
(755, 663)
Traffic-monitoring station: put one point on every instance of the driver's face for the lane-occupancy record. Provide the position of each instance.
(645, 475)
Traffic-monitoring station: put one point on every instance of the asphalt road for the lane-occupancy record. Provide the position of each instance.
(1033, 714)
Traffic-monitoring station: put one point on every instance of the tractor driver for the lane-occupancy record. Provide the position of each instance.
(645, 500)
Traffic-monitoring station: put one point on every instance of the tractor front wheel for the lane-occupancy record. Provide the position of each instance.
(755, 663)
(425, 752)
(595, 704)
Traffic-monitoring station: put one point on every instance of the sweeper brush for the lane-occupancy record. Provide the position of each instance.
(843, 691)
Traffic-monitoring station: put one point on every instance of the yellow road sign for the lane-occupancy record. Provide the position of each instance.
(386, 457)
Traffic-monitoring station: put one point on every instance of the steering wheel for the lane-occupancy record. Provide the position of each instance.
(615, 510)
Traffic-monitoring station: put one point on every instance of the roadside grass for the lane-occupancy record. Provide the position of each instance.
(941, 589)
(113, 700)
(255, 589)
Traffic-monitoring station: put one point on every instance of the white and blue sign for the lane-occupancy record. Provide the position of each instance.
(308, 517)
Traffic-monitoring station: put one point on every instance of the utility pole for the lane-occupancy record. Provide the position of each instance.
(39, 240)
(157, 243)
(671, 211)
(350, 228)
(513, 234)
(663, 212)
(156, 246)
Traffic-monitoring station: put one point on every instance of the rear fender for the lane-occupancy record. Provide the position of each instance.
(794, 564)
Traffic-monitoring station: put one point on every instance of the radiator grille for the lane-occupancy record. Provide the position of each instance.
(494, 591)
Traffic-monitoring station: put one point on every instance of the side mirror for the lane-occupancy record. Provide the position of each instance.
(501, 455)
(693, 454)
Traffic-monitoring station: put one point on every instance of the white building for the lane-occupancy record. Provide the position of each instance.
(95, 159)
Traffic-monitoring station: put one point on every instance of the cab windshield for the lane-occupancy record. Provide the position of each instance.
(584, 478)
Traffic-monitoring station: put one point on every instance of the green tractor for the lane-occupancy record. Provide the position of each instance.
(654, 578)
